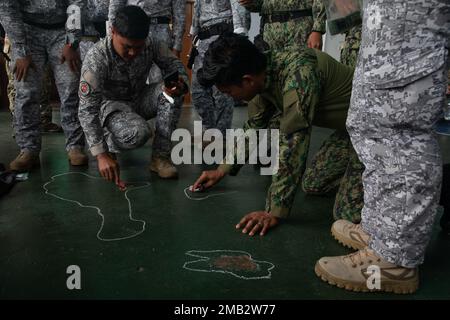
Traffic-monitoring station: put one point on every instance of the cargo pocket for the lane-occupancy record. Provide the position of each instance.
(294, 116)
(398, 54)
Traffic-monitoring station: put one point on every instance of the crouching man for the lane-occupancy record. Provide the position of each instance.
(116, 102)
(290, 90)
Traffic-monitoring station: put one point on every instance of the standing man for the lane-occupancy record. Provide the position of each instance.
(398, 95)
(37, 32)
(211, 19)
(116, 102)
(167, 20)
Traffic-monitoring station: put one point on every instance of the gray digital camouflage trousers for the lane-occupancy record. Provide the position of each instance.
(398, 95)
(46, 47)
(214, 107)
(126, 127)
(163, 33)
(45, 106)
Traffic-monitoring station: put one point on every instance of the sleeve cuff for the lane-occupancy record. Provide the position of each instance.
(319, 27)
(225, 168)
(279, 212)
(19, 51)
(97, 149)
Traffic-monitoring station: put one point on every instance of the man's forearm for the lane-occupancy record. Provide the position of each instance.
(293, 154)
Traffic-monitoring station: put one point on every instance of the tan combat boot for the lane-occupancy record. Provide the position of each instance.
(25, 161)
(77, 157)
(164, 168)
(350, 234)
(365, 271)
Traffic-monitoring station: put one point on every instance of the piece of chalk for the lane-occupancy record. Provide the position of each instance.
(191, 188)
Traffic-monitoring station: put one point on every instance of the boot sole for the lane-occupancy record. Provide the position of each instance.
(33, 166)
(346, 242)
(385, 286)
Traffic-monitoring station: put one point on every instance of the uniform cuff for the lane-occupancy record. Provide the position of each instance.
(19, 51)
(319, 27)
(279, 212)
(225, 168)
(98, 149)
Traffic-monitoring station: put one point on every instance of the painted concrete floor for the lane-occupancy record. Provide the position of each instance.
(41, 234)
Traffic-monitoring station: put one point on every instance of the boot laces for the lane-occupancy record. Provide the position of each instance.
(358, 257)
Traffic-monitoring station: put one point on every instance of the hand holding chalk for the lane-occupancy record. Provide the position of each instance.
(198, 189)
(122, 185)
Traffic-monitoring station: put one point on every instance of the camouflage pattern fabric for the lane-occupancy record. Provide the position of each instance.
(293, 32)
(110, 85)
(45, 47)
(398, 93)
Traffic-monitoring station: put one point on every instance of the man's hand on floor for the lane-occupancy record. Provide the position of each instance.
(257, 221)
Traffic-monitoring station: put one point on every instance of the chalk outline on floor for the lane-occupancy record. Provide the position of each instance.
(189, 253)
(99, 212)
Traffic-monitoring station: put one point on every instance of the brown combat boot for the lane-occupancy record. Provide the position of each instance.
(349, 234)
(365, 271)
(25, 161)
(164, 168)
(77, 157)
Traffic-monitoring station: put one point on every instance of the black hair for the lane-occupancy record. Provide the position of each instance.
(228, 59)
(131, 22)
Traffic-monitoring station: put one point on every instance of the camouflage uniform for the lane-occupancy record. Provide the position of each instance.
(115, 100)
(336, 165)
(303, 88)
(175, 10)
(293, 32)
(95, 17)
(398, 95)
(214, 107)
(44, 103)
(27, 24)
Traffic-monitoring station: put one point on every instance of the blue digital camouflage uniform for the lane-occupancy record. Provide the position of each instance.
(116, 102)
(172, 35)
(398, 95)
(36, 28)
(214, 107)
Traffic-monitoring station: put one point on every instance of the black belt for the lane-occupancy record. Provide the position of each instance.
(159, 20)
(283, 16)
(47, 26)
(215, 30)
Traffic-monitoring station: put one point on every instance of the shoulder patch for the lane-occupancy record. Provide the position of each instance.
(85, 88)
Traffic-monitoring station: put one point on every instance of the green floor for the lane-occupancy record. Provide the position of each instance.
(40, 236)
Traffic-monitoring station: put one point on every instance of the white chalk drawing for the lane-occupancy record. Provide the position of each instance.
(199, 198)
(220, 260)
(99, 211)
